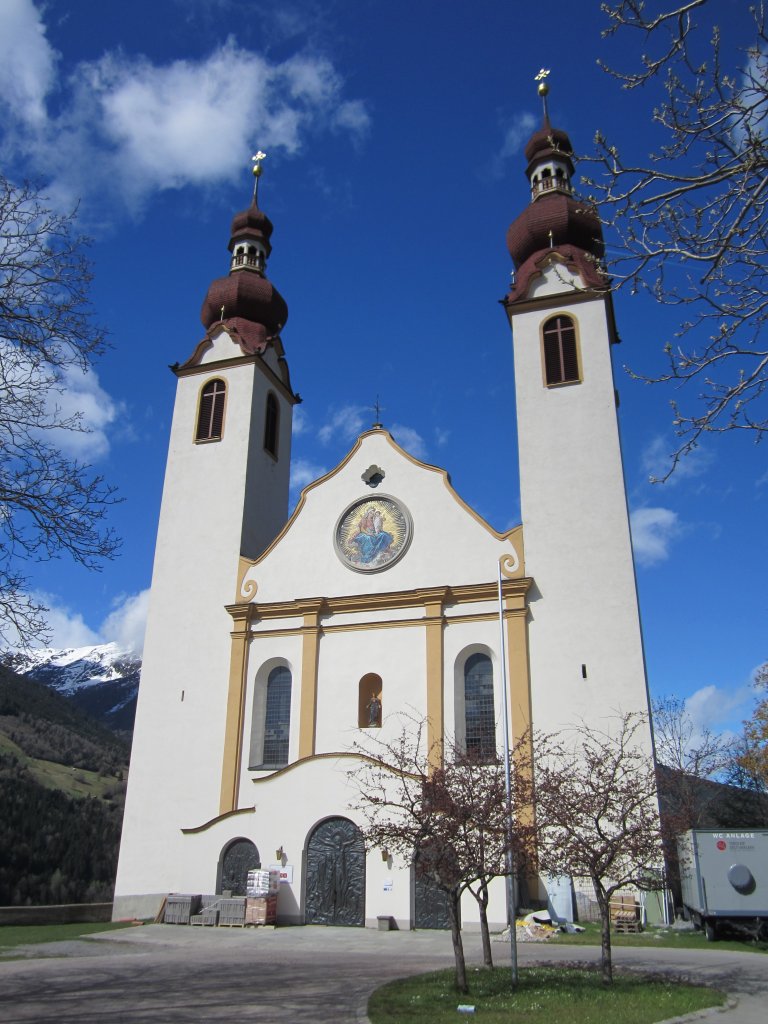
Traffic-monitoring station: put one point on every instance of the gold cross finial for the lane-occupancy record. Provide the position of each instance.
(257, 172)
(541, 78)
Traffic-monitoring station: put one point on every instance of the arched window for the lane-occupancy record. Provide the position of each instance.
(561, 361)
(271, 420)
(210, 413)
(277, 718)
(479, 716)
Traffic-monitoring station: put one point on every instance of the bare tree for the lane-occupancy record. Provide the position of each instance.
(692, 756)
(752, 754)
(448, 816)
(691, 218)
(480, 826)
(49, 502)
(597, 811)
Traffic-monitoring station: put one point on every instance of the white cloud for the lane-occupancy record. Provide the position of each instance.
(125, 625)
(516, 134)
(300, 422)
(83, 397)
(27, 61)
(304, 472)
(67, 627)
(409, 439)
(653, 530)
(441, 436)
(345, 424)
(128, 127)
(656, 461)
(715, 707)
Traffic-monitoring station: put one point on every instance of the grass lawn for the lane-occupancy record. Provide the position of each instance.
(543, 995)
(660, 937)
(12, 935)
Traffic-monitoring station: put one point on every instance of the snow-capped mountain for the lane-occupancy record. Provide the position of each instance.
(102, 680)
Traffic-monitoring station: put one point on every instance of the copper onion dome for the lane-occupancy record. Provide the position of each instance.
(246, 299)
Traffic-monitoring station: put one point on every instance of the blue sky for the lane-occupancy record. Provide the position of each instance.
(394, 133)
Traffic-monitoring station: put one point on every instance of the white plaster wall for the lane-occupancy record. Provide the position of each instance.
(175, 775)
(397, 655)
(287, 808)
(304, 562)
(583, 608)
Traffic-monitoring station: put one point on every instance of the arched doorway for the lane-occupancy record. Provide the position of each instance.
(430, 903)
(335, 886)
(237, 859)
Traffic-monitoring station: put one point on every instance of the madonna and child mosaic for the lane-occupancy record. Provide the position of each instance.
(372, 534)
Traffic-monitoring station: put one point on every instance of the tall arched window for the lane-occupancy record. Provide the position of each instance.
(210, 413)
(479, 715)
(271, 421)
(277, 718)
(561, 361)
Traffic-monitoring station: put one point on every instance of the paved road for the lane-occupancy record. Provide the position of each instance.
(170, 974)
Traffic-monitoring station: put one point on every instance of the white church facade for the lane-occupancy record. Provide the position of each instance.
(285, 644)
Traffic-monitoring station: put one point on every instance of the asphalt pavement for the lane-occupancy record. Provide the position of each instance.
(177, 974)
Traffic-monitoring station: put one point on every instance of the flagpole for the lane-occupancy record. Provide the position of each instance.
(510, 861)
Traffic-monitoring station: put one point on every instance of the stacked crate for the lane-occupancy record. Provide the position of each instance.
(261, 910)
(261, 900)
(180, 908)
(232, 912)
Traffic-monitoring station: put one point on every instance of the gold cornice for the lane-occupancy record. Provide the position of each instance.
(330, 755)
(248, 563)
(217, 819)
(547, 301)
(466, 593)
(225, 364)
(353, 627)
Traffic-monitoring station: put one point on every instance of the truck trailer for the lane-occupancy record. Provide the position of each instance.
(724, 879)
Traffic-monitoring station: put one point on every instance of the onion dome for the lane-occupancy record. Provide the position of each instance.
(548, 142)
(554, 221)
(245, 300)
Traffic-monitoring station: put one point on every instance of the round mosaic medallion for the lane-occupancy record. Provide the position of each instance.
(373, 533)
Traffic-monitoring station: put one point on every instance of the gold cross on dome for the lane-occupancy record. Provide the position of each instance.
(543, 73)
(257, 158)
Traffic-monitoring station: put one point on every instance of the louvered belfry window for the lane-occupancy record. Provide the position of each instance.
(210, 416)
(561, 363)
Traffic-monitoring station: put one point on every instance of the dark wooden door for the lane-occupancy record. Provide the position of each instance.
(430, 903)
(335, 887)
(239, 858)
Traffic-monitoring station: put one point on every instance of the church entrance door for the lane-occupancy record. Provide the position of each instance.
(430, 904)
(237, 860)
(335, 887)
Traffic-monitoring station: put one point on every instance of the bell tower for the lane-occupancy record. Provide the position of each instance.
(586, 654)
(225, 495)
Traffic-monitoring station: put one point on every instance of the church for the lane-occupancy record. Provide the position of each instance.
(276, 646)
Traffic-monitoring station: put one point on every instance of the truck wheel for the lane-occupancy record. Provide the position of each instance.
(710, 931)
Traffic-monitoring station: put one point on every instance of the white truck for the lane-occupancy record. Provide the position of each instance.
(724, 879)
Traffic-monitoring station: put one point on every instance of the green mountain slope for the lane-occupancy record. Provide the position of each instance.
(62, 784)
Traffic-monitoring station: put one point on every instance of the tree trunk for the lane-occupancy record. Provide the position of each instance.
(458, 945)
(482, 902)
(605, 933)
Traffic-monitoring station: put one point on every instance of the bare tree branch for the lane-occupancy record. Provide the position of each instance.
(690, 225)
(49, 503)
